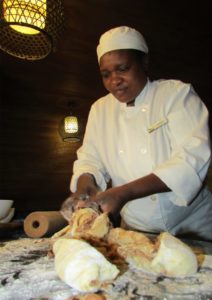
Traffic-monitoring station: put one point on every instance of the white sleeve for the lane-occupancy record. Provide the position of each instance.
(88, 159)
(187, 167)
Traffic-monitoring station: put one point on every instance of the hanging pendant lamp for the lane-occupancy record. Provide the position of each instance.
(70, 129)
(29, 29)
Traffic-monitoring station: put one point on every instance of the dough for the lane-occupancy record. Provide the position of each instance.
(126, 238)
(100, 227)
(82, 220)
(81, 266)
(168, 256)
(174, 258)
(86, 222)
(136, 248)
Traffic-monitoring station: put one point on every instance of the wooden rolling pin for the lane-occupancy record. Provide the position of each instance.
(43, 223)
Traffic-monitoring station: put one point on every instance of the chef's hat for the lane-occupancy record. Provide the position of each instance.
(122, 37)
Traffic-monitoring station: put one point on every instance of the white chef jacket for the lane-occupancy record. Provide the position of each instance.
(165, 133)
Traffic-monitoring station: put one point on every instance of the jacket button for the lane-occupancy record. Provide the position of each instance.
(121, 152)
(143, 150)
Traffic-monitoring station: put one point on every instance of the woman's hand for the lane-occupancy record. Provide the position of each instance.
(86, 188)
(111, 200)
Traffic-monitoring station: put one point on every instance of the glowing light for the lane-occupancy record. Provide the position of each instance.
(71, 124)
(27, 13)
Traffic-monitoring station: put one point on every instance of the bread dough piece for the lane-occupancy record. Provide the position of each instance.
(174, 258)
(100, 226)
(87, 220)
(169, 256)
(81, 266)
(134, 239)
(62, 233)
(136, 248)
(82, 220)
(135, 257)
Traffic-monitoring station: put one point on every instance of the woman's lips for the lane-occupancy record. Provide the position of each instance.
(120, 92)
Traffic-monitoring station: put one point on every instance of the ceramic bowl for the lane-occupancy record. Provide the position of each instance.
(5, 206)
(9, 217)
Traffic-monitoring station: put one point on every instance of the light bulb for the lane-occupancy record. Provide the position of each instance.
(28, 12)
(71, 124)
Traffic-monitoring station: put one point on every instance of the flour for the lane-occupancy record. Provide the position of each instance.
(27, 273)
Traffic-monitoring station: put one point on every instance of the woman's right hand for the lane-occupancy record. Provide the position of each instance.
(86, 188)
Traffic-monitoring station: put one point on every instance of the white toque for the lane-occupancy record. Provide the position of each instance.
(118, 38)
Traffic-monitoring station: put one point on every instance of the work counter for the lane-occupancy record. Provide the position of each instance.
(26, 272)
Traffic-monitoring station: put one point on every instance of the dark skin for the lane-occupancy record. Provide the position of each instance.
(123, 75)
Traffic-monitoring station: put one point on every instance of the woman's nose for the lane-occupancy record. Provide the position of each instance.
(115, 79)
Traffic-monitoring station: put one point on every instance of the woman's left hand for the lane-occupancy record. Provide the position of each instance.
(110, 201)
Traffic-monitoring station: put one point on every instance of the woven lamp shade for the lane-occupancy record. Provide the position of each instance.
(70, 129)
(29, 29)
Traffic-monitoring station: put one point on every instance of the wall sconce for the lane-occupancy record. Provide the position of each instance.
(69, 129)
(29, 29)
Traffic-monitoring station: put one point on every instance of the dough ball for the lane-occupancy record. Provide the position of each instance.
(174, 258)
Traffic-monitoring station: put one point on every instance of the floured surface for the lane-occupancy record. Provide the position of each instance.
(27, 273)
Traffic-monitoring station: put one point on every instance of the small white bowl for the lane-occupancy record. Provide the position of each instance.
(5, 206)
(9, 217)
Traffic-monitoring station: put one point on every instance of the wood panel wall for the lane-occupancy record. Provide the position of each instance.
(35, 164)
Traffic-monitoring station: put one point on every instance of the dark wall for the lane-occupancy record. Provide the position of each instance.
(35, 164)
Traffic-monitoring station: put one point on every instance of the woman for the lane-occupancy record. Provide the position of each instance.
(150, 139)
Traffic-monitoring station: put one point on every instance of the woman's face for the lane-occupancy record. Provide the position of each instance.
(122, 75)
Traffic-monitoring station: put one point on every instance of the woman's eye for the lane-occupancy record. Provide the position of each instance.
(123, 68)
(105, 74)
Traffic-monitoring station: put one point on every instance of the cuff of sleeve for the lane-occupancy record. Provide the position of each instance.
(98, 177)
(182, 181)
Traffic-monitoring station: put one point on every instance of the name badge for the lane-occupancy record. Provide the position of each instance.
(157, 125)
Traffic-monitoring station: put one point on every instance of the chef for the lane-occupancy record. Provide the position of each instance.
(146, 149)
